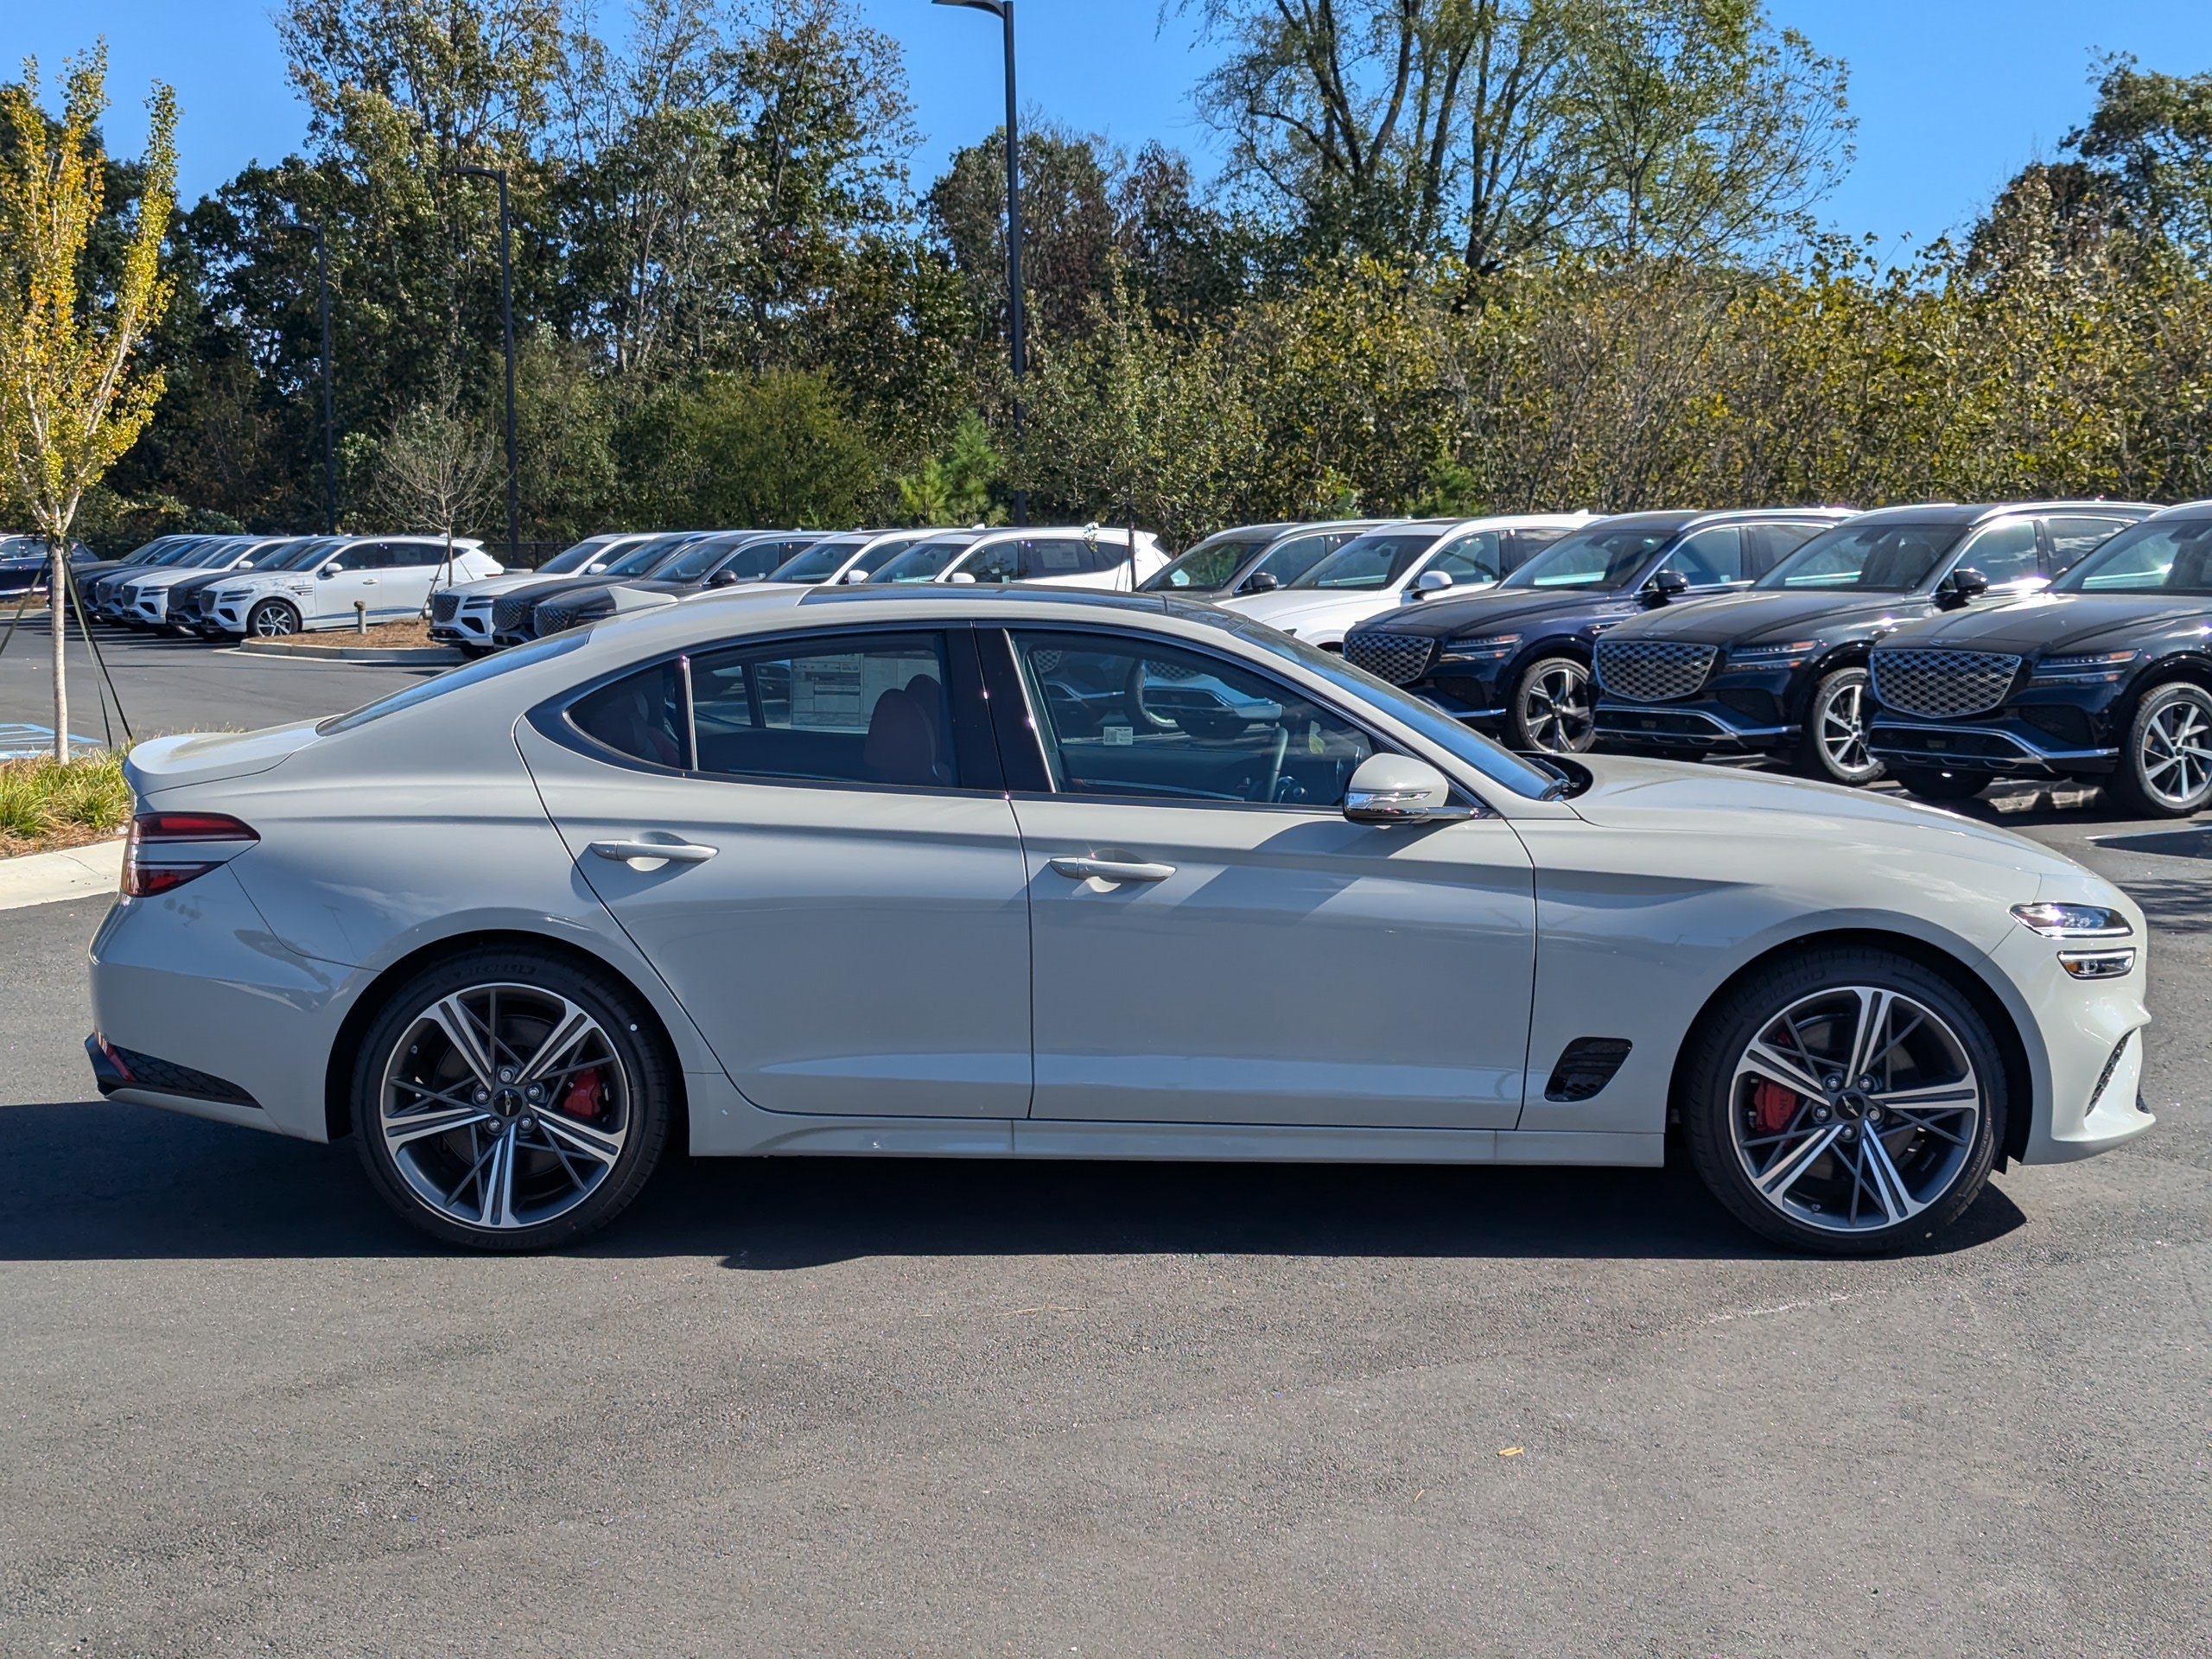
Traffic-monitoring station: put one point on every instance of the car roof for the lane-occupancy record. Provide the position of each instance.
(1968, 513)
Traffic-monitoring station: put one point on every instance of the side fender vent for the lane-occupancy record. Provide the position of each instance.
(1584, 1066)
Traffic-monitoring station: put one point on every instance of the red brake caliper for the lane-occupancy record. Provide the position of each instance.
(1772, 1107)
(587, 1095)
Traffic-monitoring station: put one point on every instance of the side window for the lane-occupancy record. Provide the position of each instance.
(640, 717)
(2071, 538)
(1000, 561)
(1472, 557)
(1711, 557)
(1768, 545)
(1138, 719)
(411, 554)
(2004, 552)
(863, 709)
(1057, 555)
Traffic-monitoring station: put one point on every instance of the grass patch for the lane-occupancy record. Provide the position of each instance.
(44, 805)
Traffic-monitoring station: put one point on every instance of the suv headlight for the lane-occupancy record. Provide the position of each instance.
(2096, 665)
(1789, 656)
(1488, 648)
(2056, 921)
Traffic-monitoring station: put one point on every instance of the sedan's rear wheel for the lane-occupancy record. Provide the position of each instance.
(510, 1101)
(1553, 709)
(272, 620)
(2166, 771)
(1851, 1102)
(1835, 745)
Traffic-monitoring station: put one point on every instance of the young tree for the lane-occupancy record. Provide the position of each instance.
(72, 400)
(436, 470)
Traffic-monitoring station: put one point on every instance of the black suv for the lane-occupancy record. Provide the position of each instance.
(1515, 659)
(718, 559)
(1781, 669)
(1253, 558)
(2107, 677)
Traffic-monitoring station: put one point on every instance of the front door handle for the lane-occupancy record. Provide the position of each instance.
(653, 854)
(1110, 869)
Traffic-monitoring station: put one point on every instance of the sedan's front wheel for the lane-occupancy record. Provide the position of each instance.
(1850, 1101)
(509, 1100)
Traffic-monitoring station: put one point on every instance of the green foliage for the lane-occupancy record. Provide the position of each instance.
(956, 489)
(52, 801)
(741, 452)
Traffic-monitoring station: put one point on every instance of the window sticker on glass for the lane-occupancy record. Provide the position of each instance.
(1120, 737)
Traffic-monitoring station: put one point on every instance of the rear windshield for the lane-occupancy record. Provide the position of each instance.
(483, 668)
(1872, 558)
(1594, 558)
(2171, 555)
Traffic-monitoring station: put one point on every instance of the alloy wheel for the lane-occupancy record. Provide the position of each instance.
(2174, 753)
(1854, 1108)
(274, 621)
(1557, 713)
(504, 1106)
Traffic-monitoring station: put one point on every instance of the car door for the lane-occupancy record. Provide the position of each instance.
(1212, 941)
(844, 914)
(1711, 560)
(351, 574)
(404, 586)
(2005, 552)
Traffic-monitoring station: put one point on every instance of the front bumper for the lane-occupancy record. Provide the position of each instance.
(470, 625)
(1698, 727)
(2088, 1071)
(2003, 745)
(151, 608)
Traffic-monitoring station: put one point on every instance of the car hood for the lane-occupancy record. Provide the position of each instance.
(1287, 607)
(493, 587)
(1663, 795)
(210, 757)
(2058, 622)
(1503, 609)
(1759, 618)
(170, 578)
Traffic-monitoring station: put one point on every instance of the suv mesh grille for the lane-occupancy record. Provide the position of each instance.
(445, 605)
(552, 615)
(1942, 684)
(510, 612)
(1401, 658)
(1652, 670)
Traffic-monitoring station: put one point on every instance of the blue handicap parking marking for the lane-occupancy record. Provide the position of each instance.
(22, 742)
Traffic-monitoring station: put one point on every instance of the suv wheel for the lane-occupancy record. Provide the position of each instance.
(2166, 771)
(1554, 711)
(1849, 1102)
(272, 620)
(1833, 747)
(510, 1100)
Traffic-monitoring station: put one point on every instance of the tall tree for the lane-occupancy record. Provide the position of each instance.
(72, 400)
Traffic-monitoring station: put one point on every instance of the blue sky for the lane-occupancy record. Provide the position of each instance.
(1952, 96)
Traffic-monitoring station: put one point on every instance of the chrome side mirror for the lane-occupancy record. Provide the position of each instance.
(1431, 581)
(960, 579)
(855, 577)
(1398, 789)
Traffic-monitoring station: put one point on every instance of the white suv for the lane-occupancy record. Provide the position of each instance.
(1079, 556)
(1397, 563)
(463, 616)
(389, 577)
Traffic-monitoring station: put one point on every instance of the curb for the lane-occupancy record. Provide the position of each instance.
(439, 656)
(92, 871)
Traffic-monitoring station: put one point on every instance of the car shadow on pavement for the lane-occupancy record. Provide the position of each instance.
(97, 1181)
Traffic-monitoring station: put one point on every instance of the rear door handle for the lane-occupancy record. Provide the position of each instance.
(1110, 869)
(657, 852)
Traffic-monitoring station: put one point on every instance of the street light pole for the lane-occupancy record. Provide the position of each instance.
(1016, 340)
(508, 322)
(329, 414)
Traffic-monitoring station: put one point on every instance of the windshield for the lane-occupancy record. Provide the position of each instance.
(642, 558)
(483, 668)
(922, 562)
(272, 554)
(1207, 567)
(1872, 558)
(695, 560)
(304, 554)
(1500, 765)
(2168, 556)
(179, 554)
(575, 558)
(818, 563)
(1375, 560)
(1595, 558)
(754, 561)
(214, 553)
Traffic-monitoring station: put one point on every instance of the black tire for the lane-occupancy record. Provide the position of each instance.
(1719, 1113)
(628, 1082)
(2154, 779)
(1833, 747)
(1555, 707)
(272, 618)
(1931, 785)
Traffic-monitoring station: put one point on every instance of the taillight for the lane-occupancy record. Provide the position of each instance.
(167, 849)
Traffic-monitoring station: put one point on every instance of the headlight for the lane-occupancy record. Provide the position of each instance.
(1787, 656)
(2097, 665)
(2072, 921)
(1489, 648)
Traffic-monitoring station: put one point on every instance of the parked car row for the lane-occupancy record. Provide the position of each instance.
(25, 564)
(607, 574)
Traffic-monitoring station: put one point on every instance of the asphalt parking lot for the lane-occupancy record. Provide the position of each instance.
(821, 1406)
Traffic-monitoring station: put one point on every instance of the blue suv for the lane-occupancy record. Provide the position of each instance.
(1515, 659)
